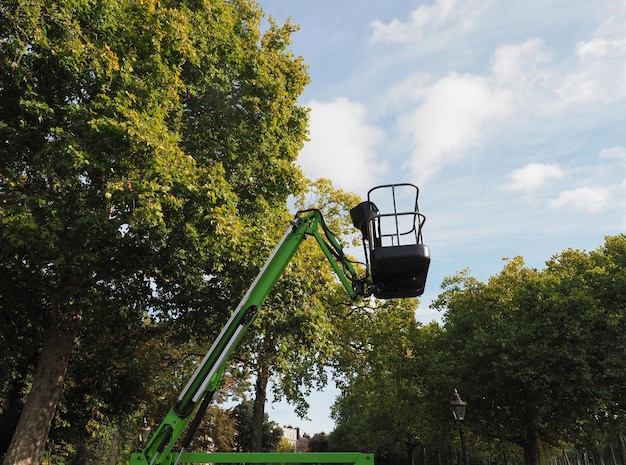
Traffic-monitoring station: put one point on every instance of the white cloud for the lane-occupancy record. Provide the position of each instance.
(407, 92)
(342, 145)
(397, 31)
(609, 40)
(618, 152)
(601, 75)
(533, 176)
(456, 15)
(454, 115)
(523, 70)
(587, 199)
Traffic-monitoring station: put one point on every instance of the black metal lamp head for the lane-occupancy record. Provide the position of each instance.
(458, 407)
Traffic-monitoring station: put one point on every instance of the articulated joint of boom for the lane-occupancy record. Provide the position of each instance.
(311, 222)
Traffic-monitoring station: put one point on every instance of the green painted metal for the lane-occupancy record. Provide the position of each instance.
(356, 458)
(207, 377)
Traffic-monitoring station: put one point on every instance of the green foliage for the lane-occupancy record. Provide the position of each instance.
(535, 352)
(537, 355)
(139, 139)
(318, 443)
(602, 278)
(292, 340)
(271, 432)
(285, 445)
(217, 432)
(382, 389)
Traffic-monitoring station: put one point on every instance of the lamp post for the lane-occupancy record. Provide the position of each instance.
(458, 411)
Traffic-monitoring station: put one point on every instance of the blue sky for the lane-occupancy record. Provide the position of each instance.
(509, 116)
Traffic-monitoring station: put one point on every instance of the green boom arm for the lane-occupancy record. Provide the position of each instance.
(198, 392)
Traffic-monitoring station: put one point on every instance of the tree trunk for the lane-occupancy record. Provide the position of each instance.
(411, 446)
(115, 446)
(601, 460)
(622, 447)
(532, 454)
(29, 438)
(411, 453)
(258, 410)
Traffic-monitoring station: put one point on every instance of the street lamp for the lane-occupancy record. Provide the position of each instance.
(458, 411)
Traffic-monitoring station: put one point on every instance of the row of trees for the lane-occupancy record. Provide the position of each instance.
(538, 355)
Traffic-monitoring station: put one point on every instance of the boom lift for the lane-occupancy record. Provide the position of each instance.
(397, 265)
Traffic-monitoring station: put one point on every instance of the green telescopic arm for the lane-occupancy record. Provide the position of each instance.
(207, 376)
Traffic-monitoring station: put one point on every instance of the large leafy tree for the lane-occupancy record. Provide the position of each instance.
(380, 408)
(526, 348)
(603, 277)
(292, 340)
(133, 138)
